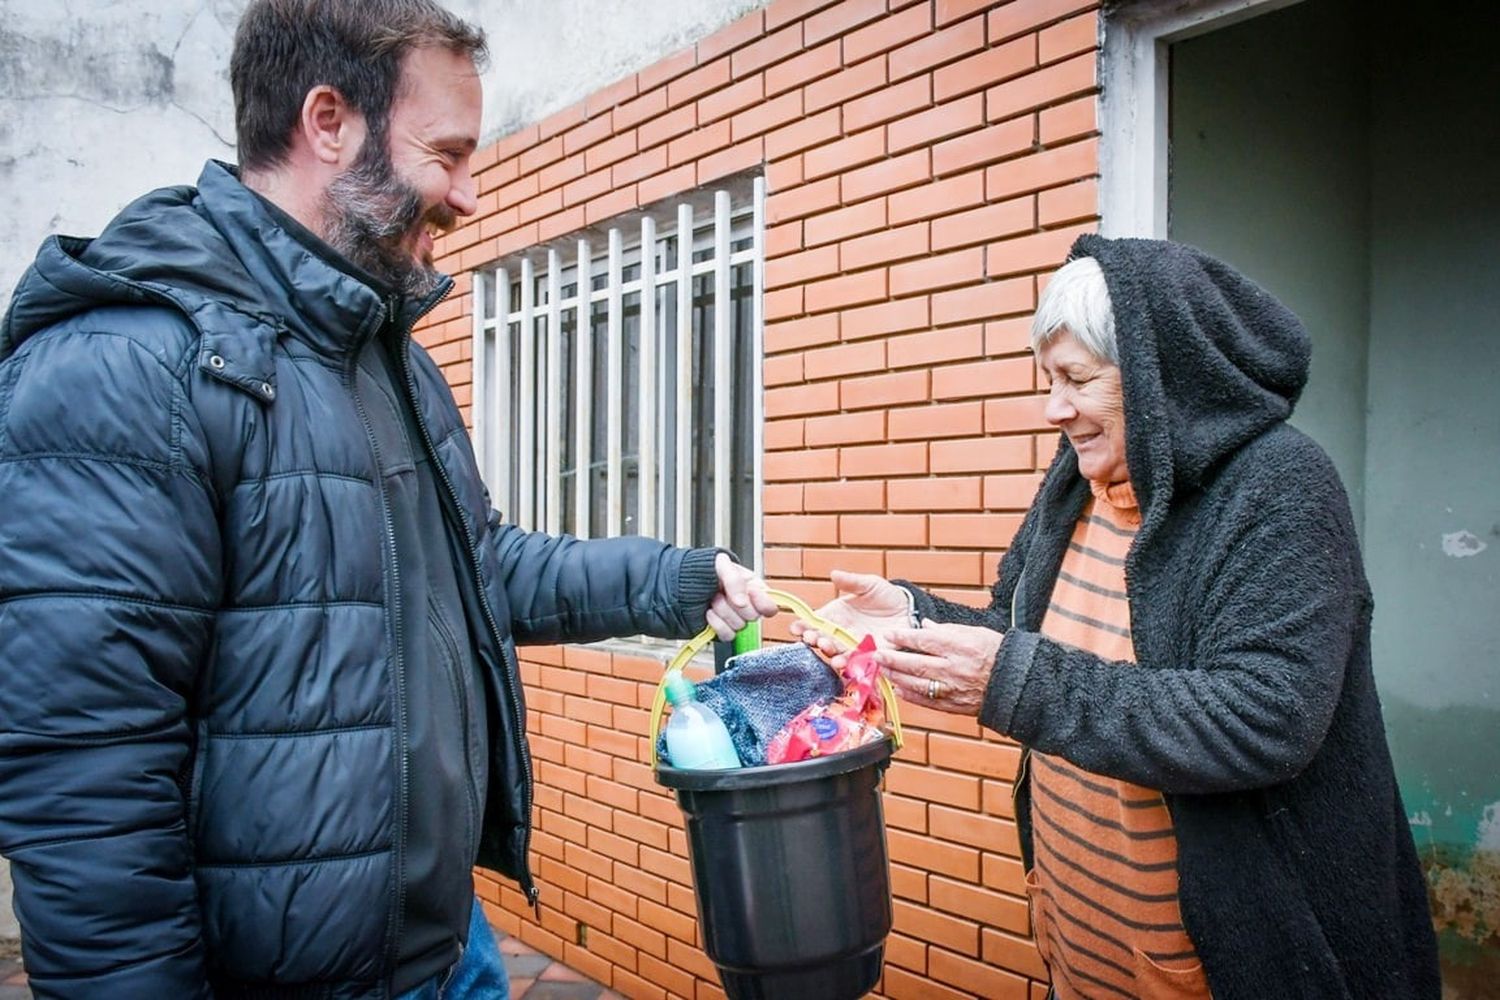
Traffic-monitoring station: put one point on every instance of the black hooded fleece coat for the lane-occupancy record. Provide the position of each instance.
(1252, 705)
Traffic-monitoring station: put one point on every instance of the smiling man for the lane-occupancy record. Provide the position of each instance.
(260, 711)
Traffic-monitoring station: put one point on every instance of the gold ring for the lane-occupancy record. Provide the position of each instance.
(934, 689)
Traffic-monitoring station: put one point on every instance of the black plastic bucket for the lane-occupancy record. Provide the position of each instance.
(792, 877)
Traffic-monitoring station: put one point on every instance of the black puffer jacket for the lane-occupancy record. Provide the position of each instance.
(204, 733)
(1253, 705)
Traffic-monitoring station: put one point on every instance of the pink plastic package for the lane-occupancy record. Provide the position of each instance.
(853, 719)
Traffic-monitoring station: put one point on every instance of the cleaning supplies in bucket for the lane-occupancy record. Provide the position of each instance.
(696, 736)
(854, 718)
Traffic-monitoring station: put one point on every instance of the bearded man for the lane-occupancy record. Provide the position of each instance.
(260, 710)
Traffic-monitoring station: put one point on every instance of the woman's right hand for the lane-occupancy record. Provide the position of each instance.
(867, 604)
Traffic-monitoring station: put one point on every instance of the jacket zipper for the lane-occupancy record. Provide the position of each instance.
(453, 669)
(398, 677)
(527, 883)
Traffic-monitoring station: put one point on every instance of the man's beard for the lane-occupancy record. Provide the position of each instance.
(369, 213)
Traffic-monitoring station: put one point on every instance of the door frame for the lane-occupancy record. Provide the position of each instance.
(1135, 104)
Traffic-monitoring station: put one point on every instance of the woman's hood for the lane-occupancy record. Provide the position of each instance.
(1209, 360)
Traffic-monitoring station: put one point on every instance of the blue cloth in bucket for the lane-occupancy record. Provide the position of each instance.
(760, 692)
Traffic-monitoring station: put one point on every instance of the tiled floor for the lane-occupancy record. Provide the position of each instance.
(533, 976)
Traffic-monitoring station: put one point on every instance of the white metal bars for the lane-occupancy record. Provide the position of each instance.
(528, 437)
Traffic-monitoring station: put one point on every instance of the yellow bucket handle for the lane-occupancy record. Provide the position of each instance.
(798, 607)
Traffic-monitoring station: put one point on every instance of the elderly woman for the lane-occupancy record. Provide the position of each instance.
(1180, 640)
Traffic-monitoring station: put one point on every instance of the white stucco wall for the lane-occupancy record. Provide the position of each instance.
(103, 100)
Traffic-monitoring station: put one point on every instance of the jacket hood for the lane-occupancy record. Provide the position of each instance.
(1209, 360)
(222, 257)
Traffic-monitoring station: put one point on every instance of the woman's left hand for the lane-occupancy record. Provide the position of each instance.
(942, 665)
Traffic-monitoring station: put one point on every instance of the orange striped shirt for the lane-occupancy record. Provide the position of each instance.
(1104, 886)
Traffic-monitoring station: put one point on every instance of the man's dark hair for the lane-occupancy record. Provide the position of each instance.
(284, 48)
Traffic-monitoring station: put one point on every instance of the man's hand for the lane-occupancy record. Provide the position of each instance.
(741, 598)
(867, 605)
(942, 665)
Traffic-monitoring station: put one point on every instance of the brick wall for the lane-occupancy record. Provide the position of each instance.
(927, 163)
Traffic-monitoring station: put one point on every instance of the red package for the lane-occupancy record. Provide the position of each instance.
(850, 720)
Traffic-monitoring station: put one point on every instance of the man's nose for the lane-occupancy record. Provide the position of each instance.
(463, 196)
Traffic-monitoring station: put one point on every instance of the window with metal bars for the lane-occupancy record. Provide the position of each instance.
(617, 376)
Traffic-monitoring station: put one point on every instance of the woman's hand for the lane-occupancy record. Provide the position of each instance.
(941, 665)
(867, 604)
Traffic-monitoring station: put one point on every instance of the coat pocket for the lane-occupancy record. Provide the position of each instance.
(1185, 980)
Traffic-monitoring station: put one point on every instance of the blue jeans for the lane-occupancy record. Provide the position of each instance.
(480, 972)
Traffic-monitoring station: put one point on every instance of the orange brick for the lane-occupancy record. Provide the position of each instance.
(783, 562)
(766, 116)
(586, 188)
(736, 34)
(621, 90)
(990, 454)
(1008, 336)
(930, 422)
(654, 189)
(988, 906)
(800, 466)
(736, 97)
(784, 11)
(698, 143)
(782, 206)
(840, 19)
(987, 145)
(810, 65)
(791, 334)
(800, 399)
(887, 104)
(648, 105)
(995, 298)
(948, 11)
(514, 194)
(934, 495)
(783, 303)
(700, 81)
(610, 151)
(902, 985)
(975, 977)
(859, 495)
(938, 198)
(842, 223)
(1027, 15)
(1070, 37)
(885, 318)
(967, 827)
(608, 206)
(846, 429)
(906, 814)
(944, 270)
(953, 933)
(887, 33)
(540, 155)
(1010, 492)
(883, 460)
(926, 854)
(885, 390)
(801, 529)
(886, 175)
(881, 248)
(560, 172)
(588, 133)
(848, 83)
(910, 883)
(937, 48)
(1068, 121)
(935, 347)
(668, 126)
(822, 562)
(800, 268)
(1049, 85)
(783, 239)
(883, 529)
(1012, 952)
(653, 161)
(983, 224)
(985, 69)
(1015, 413)
(863, 147)
(846, 359)
(802, 134)
(846, 290)
(782, 434)
(672, 922)
(1039, 251)
(782, 369)
(937, 567)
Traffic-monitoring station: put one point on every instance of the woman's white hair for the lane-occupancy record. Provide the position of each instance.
(1077, 299)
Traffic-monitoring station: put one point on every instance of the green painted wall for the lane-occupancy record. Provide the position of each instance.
(1348, 163)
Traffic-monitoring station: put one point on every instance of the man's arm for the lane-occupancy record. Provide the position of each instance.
(109, 563)
(563, 589)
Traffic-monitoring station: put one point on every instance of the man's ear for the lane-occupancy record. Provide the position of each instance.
(331, 127)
